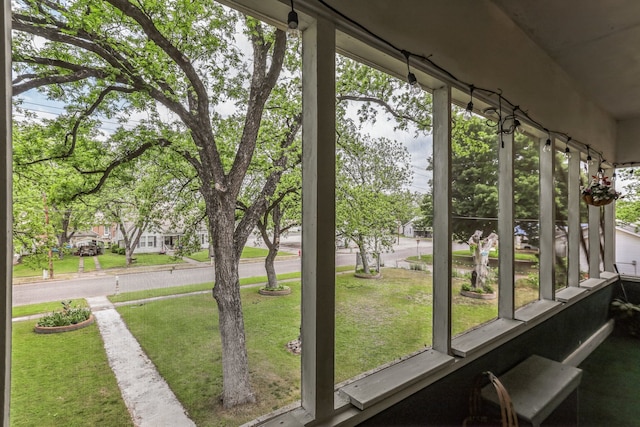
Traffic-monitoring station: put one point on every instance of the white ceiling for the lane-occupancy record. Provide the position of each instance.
(597, 42)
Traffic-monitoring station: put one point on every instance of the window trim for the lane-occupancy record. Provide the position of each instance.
(5, 216)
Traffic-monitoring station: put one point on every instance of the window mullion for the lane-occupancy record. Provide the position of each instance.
(547, 221)
(573, 219)
(442, 220)
(594, 232)
(506, 289)
(5, 216)
(609, 230)
(318, 219)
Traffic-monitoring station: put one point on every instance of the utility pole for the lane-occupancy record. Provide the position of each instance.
(46, 230)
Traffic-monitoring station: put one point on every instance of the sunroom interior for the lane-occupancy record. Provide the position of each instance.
(569, 70)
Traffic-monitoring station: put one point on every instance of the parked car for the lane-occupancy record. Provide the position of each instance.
(89, 249)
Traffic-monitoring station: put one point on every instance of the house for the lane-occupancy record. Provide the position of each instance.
(161, 241)
(565, 72)
(414, 229)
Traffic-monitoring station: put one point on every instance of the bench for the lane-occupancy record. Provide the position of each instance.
(537, 387)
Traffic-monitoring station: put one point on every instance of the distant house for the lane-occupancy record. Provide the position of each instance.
(161, 241)
(414, 229)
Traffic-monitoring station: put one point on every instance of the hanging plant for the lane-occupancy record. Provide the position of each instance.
(600, 191)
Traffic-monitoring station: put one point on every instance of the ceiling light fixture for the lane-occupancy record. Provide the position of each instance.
(589, 159)
(292, 22)
(414, 86)
(468, 113)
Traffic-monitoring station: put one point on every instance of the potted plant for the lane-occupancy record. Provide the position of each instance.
(600, 191)
(627, 316)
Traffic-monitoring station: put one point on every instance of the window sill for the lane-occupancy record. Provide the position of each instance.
(571, 292)
(376, 387)
(487, 335)
(593, 284)
(538, 310)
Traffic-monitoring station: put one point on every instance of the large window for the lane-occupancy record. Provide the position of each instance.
(527, 225)
(383, 226)
(475, 240)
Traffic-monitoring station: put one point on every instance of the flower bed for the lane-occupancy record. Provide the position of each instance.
(68, 319)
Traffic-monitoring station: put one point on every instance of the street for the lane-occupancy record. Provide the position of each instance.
(102, 284)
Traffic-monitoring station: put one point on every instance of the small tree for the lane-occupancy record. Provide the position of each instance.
(369, 201)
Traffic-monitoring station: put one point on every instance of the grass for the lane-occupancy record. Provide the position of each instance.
(184, 344)
(69, 264)
(518, 256)
(63, 379)
(175, 290)
(111, 260)
(377, 321)
(202, 256)
(45, 307)
(89, 264)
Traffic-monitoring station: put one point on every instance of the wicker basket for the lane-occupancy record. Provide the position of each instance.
(588, 199)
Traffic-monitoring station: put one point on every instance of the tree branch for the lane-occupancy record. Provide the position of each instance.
(73, 135)
(107, 171)
(384, 105)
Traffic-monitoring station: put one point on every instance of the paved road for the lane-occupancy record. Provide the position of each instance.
(101, 284)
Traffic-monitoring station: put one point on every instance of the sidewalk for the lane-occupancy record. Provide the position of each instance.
(146, 394)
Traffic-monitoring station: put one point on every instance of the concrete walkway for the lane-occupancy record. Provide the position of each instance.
(146, 394)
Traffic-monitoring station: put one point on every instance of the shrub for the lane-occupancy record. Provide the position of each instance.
(532, 280)
(122, 251)
(114, 249)
(68, 316)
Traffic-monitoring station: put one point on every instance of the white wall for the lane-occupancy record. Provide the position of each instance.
(627, 250)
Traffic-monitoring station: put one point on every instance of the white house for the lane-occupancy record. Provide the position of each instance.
(161, 241)
(627, 244)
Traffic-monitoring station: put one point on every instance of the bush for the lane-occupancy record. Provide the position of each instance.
(114, 249)
(68, 316)
(487, 289)
(122, 251)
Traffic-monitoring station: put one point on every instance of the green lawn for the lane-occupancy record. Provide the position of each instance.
(69, 264)
(111, 260)
(518, 256)
(89, 264)
(175, 290)
(63, 380)
(377, 321)
(247, 252)
(45, 307)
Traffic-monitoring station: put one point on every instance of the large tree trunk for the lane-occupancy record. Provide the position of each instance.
(363, 257)
(272, 278)
(235, 367)
(272, 244)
